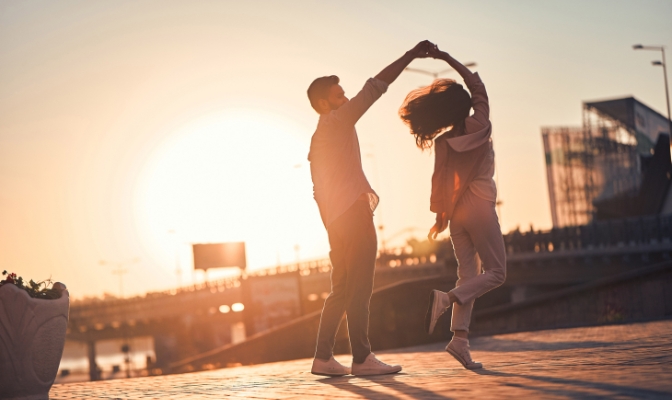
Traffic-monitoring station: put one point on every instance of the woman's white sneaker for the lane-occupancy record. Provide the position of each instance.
(329, 368)
(439, 302)
(459, 348)
(373, 366)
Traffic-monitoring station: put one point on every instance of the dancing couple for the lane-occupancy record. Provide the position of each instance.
(463, 197)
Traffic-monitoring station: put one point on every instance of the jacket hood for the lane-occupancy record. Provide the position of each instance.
(470, 141)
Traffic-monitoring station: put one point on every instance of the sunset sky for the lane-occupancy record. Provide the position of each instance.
(130, 129)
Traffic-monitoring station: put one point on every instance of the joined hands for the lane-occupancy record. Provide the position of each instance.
(422, 49)
(426, 49)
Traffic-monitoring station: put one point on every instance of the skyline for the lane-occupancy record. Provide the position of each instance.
(111, 119)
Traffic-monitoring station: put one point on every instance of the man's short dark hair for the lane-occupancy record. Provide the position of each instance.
(319, 89)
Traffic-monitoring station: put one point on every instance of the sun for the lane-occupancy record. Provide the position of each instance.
(238, 175)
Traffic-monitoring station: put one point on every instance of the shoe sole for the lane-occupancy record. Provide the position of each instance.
(429, 327)
(461, 361)
(329, 375)
(378, 373)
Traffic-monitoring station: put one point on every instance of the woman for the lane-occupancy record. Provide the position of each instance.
(463, 193)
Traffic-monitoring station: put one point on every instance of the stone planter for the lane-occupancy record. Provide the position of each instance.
(32, 337)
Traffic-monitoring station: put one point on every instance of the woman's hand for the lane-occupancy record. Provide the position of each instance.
(434, 52)
(439, 226)
(421, 50)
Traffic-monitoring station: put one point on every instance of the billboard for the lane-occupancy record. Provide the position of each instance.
(219, 255)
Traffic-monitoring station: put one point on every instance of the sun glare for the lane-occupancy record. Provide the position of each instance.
(240, 175)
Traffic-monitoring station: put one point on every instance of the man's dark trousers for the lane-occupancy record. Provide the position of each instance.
(353, 241)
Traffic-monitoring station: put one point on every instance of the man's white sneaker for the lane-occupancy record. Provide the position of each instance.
(329, 368)
(460, 350)
(439, 302)
(373, 366)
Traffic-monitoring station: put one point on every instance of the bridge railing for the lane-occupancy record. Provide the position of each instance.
(600, 234)
(649, 230)
(396, 258)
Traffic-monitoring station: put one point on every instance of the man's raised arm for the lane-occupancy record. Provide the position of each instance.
(353, 110)
(392, 71)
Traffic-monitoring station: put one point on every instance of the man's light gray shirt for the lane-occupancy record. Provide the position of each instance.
(335, 158)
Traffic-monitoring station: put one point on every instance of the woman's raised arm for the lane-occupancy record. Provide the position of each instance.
(479, 97)
(456, 65)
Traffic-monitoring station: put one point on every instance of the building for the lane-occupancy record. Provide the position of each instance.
(616, 165)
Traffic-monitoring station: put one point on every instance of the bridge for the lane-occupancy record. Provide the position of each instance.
(195, 319)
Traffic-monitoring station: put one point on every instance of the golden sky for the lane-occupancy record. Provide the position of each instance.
(121, 121)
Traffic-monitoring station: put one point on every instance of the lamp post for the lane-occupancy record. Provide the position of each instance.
(120, 270)
(178, 270)
(297, 247)
(435, 75)
(662, 64)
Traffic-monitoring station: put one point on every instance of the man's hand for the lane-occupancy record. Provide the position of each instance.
(440, 226)
(421, 50)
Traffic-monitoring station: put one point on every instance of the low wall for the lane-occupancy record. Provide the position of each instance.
(397, 315)
(638, 295)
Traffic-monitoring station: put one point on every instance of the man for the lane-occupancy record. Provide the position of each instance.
(346, 202)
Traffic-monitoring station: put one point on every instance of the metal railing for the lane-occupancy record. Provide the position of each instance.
(596, 235)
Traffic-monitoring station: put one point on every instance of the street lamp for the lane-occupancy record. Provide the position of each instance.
(435, 75)
(662, 64)
(178, 270)
(120, 270)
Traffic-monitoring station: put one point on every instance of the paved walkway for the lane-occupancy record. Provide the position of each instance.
(623, 361)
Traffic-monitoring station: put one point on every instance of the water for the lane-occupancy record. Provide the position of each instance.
(108, 354)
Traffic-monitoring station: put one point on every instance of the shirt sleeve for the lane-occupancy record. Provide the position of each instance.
(479, 102)
(353, 110)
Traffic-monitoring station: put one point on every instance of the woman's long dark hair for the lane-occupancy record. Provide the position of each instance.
(429, 110)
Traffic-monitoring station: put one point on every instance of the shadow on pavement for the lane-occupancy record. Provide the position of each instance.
(389, 381)
(572, 387)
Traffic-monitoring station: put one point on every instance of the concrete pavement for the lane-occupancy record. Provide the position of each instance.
(615, 361)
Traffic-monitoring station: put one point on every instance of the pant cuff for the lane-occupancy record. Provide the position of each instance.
(360, 360)
(457, 296)
(323, 356)
(459, 328)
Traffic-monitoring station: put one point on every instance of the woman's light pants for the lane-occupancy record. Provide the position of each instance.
(480, 252)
